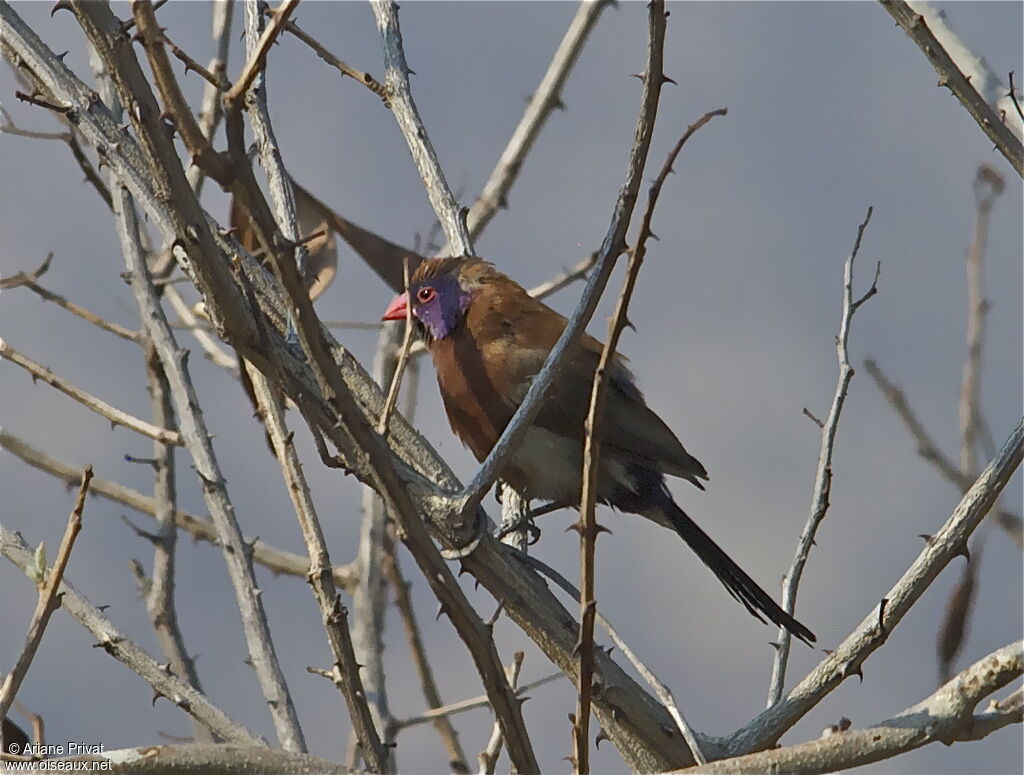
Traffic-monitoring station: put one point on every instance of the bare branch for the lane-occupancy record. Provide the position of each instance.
(947, 716)
(698, 744)
(437, 714)
(488, 758)
(160, 605)
(566, 278)
(587, 525)
(926, 448)
(91, 402)
(403, 357)
(124, 650)
(988, 185)
(31, 282)
(470, 704)
(197, 439)
(212, 110)
(952, 77)
(823, 475)
(48, 600)
(24, 278)
(947, 543)
(332, 612)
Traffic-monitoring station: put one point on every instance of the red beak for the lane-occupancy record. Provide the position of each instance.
(397, 309)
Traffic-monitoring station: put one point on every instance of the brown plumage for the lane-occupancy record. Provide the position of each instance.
(488, 338)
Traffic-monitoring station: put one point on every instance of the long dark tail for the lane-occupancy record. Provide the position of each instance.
(735, 579)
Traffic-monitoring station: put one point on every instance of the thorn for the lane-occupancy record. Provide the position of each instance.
(638, 76)
(602, 529)
(927, 538)
(666, 79)
(60, 5)
(577, 526)
(653, 236)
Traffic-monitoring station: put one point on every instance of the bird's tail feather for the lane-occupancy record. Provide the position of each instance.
(732, 576)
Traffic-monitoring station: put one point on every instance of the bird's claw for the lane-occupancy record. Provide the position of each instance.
(506, 529)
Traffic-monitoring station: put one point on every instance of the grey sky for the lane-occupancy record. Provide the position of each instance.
(831, 109)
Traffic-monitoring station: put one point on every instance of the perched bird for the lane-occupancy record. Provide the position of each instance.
(488, 338)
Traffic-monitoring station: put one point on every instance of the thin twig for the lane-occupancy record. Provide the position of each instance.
(30, 282)
(160, 601)
(988, 185)
(216, 81)
(91, 402)
(566, 278)
(823, 474)
(929, 450)
(488, 758)
(473, 703)
(48, 600)
(332, 612)
(24, 278)
(258, 53)
(123, 649)
(1012, 94)
(277, 561)
(698, 744)
(587, 525)
(546, 98)
(403, 357)
(321, 51)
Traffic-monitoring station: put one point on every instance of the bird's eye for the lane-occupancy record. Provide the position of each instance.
(425, 294)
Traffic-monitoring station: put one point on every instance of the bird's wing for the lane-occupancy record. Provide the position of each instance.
(515, 333)
(632, 431)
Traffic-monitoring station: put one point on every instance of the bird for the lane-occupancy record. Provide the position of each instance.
(488, 338)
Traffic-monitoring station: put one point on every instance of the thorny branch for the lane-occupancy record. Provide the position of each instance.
(947, 716)
(124, 650)
(160, 599)
(276, 560)
(846, 660)
(587, 525)
(952, 77)
(89, 401)
(823, 475)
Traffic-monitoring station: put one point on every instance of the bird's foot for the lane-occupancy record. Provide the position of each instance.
(525, 523)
